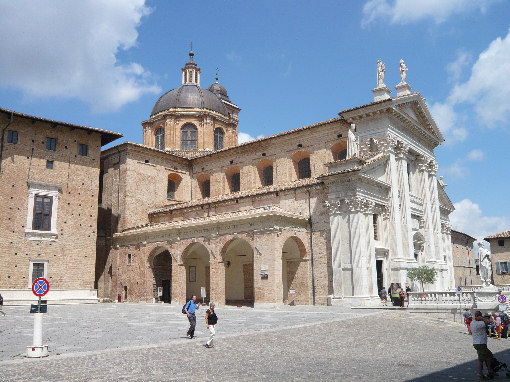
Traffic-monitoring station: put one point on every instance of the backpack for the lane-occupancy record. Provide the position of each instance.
(184, 307)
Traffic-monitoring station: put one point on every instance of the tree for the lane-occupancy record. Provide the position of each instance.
(423, 274)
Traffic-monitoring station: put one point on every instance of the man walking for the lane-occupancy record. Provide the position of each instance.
(2, 305)
(479, 332)
(190, 308)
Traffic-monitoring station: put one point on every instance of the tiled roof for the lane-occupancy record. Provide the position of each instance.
(106, 136)
(500, 235)
(465, 234)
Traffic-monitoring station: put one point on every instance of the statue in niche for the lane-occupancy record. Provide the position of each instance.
(381, 69)
(403, 71)
(352, 143)
(485, 265)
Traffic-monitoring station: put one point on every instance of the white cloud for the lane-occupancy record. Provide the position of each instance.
(488, 87)
(234, 57)
(69, 50)
(448, 122)
(245, 137)
(456, 67)
(407, 11)
(458, 169)
(469, 218)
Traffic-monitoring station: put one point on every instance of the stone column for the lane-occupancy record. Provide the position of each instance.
(179, 283)
(423, 178)
(434, 206)
(401, 150)
(217, 273)
(395, 227)
(336, 241)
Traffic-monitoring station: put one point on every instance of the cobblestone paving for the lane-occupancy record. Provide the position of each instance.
(144, 342)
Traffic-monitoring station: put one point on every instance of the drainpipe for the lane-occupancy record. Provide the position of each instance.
(311, 245)
(191, 182)
(3, 137)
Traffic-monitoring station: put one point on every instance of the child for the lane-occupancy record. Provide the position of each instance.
(498, 326)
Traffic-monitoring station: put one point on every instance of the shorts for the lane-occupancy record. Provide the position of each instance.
(484, 354)
(498, 329)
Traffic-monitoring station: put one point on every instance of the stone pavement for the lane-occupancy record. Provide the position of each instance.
(146, 342)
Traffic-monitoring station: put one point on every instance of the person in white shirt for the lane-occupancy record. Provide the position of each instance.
(479, 330)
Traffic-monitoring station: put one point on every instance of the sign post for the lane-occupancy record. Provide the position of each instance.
(40, 287)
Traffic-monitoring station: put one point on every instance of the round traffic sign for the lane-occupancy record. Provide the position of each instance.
(502, 299)
(40, 287)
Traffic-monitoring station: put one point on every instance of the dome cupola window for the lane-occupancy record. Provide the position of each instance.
(160, 139)
(189, 134)
(218, 139)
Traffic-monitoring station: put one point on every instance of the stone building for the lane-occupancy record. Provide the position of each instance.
(49, 190)
(500, 257)
(325, 213)
(464, 262)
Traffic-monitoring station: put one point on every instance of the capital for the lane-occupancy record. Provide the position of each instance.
(359, 204)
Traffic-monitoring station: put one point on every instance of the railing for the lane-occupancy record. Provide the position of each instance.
(441, 298)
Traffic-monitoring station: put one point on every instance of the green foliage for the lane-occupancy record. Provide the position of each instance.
(423, 274)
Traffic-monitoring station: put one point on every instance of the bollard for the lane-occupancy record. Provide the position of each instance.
(37, 350)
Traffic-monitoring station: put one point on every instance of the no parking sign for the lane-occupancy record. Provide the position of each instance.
(40, 287)
(501, 298)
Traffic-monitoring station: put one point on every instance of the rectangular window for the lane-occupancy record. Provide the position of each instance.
(130, 259)
(51, 144)
(235, 182)
(502, 267)
(42, 213)
(206, 188)
(192, 274)
(83, 150)
(49, 164)
(12, 136)
(501, 243)
(37, 271)
(170, 189)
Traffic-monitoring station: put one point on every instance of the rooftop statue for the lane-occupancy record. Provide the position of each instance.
(403, 71)
(352, 143)
(381, 69)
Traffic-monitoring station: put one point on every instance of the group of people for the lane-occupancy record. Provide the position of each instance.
(497, 323)
(210, 319)
(396, 294)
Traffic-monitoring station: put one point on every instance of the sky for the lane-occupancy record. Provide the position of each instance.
(286, 64)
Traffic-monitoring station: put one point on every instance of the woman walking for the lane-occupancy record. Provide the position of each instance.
(210, 320)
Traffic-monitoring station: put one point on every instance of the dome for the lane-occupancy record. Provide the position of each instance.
(190, 96)
(220, 91)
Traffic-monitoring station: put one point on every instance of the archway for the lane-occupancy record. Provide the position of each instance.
(239, 278)
(161, 267)
(198, 271)
(294, 280)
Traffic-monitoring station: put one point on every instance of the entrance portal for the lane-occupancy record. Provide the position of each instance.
(380, 276)
(294, 273)
(162, 276)
(239, 279)
(196, 261)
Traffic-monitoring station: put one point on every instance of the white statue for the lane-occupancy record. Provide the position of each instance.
(381, 69)
(352, 143)
(485, 265)
(403, 71)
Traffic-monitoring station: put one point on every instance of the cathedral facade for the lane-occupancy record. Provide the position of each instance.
(322, 214)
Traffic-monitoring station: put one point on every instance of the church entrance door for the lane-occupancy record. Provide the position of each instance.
(161, 266)
(239, 279)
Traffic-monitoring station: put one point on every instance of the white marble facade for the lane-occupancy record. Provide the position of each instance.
(388, 212)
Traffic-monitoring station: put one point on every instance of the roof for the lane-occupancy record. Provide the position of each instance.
(465, 234)
(106, 136)
(500, 235)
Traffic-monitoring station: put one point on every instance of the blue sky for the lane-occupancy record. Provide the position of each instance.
(285, 63)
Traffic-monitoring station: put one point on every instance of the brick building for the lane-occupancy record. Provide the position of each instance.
(49, 190)
(464, 262)
(500, 257)
(326, 213)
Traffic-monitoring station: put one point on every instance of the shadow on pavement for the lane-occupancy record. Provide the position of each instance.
(467, 371)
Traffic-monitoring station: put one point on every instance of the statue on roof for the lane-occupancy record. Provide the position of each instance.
(352, 143)
(403, 71)
(381, 69)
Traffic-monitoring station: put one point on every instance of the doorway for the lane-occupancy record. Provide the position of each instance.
(380, 275)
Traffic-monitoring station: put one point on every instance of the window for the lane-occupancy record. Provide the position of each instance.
(37, 271)
(101, 185)
(130, 259)
(42, 213)
(189, 135)
(477, 270)
(342, 154)
(49, 164)
(501, 242)
(170, 190)
(12, 136)
(83, 150)
(160, 139)
(192, 274)
(37, 268)
(502, 267)
(267, 176)
(218, 139)
(206, 188)
(51, 144)
(42, 210)
(235, 182)
(376, 226)
(304, 168)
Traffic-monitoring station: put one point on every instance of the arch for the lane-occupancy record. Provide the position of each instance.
(174, 180)
(160, 265)
(294, 272)
(218, 138)
(265, 170)
(339, 150)
(189, 137)
(233, 179)
(237, 257)
(301, 161)
(195, 259)
(204, 183)
(160, 138)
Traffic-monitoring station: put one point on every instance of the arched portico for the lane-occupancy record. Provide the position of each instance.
(198, 276)
(160, 264)
(294, 272)
(239, 278)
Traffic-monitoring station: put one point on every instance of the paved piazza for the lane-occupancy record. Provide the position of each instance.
(146, 342)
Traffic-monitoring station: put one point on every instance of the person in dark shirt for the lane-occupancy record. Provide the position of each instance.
(2, 305)
(210, 320)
